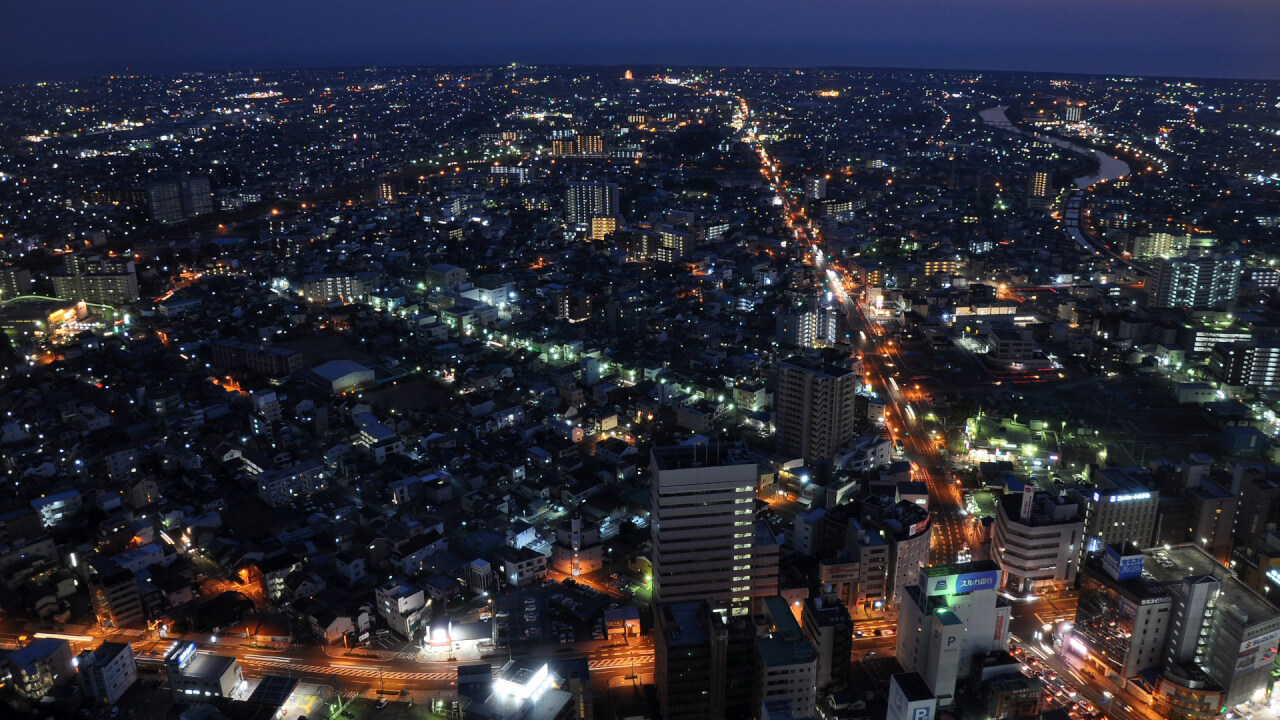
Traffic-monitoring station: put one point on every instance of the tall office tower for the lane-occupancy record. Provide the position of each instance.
(815, 187)
(1037, 539)
(1195, 282)
(1038, 189)
(951, 615)
(586, 200)
(1118, 508)
(797, 327)
(706, 545)
(1074, 112)
(591, 144)
(816, 404)
(703, 662)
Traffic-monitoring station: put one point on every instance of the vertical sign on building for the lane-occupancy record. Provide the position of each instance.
(1028, 496)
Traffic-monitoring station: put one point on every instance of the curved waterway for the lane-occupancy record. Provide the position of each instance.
(1109, 168)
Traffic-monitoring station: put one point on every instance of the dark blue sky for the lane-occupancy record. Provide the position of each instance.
(48, 39)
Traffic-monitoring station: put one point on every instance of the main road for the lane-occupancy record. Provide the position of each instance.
(418, 677)
(951, 533)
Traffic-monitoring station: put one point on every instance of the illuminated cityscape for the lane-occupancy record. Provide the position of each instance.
(755, 391)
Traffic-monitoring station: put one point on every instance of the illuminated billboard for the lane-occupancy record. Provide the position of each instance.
(1122, 567)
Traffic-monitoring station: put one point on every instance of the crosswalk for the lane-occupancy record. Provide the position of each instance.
(639, 660)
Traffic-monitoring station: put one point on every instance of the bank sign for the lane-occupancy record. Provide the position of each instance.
(1124, 567)
(963, 583)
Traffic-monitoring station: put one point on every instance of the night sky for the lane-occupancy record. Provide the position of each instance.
(53, 39)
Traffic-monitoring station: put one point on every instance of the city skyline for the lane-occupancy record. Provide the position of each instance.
(670, 391)
(1188, 38)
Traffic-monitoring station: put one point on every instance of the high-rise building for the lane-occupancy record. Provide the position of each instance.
(586, 200)
(816, 404)
(1169, 245)
(107, 672)
(869, 555)
(682, 660)
(1036, 541)
(590, 144)
(335, 287)
(797, 327)
(602, 226)
(1118, 508)
(1039, 189)
(673, 245)
(179, 198)
(1179, 612)
(704, 663)
(97, 279)
(164, 200)
(1074, 112)
(1244, 365)
(1195, 282)
(1257, 487)
(890, 540)
(815, 187)
(14, 281)
(951, 615)
(706, 543)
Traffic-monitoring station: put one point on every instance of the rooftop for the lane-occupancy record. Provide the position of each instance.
(208, 665)
(976, 566)
(1169, 566)
(703, 455)
(684, 624)
(913, 686)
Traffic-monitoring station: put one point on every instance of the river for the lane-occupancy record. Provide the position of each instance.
(1109, 168)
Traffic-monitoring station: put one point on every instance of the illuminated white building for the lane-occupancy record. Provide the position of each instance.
(1036, 540)
(523, 688)
(952, 614)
